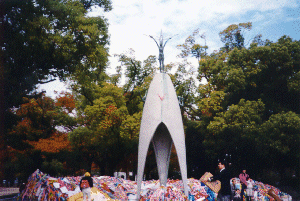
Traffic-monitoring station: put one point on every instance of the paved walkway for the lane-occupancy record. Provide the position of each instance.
(8, 191)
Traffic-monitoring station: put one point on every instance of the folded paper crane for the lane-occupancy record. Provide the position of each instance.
(162, 124)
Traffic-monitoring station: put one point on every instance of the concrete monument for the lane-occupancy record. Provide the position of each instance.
(162, 124)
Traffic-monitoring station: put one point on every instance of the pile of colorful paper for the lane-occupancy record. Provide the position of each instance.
(41, 186)
(261, 191)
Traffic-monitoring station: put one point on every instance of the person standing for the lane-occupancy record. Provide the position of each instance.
(249, 189)
(235, 192)
(86, 183)
(243, 179)
(224, 177)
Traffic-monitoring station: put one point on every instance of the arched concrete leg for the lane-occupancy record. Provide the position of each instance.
(162, 143)
(145, 139)
(181, 154)
(141, 161)
(162, 123)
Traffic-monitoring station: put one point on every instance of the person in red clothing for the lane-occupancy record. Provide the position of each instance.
(243, 179)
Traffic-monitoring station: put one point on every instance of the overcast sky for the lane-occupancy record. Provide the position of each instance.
(131, 21)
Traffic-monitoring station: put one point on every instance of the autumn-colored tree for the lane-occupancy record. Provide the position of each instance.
(35, 135)
(35, 122)
(65, 112)
(106, 131)
(54, 144)
(43, 40)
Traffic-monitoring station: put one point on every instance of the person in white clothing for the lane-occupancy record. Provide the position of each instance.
(86, 183)
(249, 189)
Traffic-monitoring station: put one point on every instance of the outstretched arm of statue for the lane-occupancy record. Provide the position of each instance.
(154, 40)
(167, 41)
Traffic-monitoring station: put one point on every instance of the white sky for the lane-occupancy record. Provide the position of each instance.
(131, 20)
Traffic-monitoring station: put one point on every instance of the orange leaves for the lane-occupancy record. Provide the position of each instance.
(35, 107)
(111, 117)
(54, 144)
(112, 114)
(36, 118)
(111, 109)
(66, 100)
(39, 117)
(25, 123)
(205, 112)
(105, 124)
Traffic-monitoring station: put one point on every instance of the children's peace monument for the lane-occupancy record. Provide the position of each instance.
(162, 125)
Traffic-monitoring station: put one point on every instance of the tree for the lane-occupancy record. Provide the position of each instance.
(267, 72)
(106, 4)
(280, 134)
(65, 111)
(233, 37)
(235, 130)
(53, 144)
(250, 95)
(185, 86)
(35, 136)
(190, 47)
(270, 72)
(184, 78)
(44, 40)
(138, 77)
(105, 130)
(48, 39)
(35, 122)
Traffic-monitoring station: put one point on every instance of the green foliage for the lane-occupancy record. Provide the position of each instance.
(190, 47)
(54, 168)
(210, 102)
(232, 36)
(282, 133)
(106, 4)
(266, 72)
(185, 86)
(48, 39)
(211, 68)
(135, 71)
(106, 132)
(241, 119)
(131, 127)
(138, 77)
(102, 117)
(249, 107)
